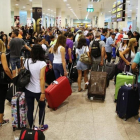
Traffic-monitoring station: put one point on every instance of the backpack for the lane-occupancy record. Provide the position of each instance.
(95, 49)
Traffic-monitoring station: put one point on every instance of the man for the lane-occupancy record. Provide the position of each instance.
(28, 42)
(85, 32)
(15, 47)
(88, 38)
(103, 35)
(117, 33)
(100, 45)
(20, 35)
(79, 32)
(1, 34)
(69, 50)
(109, 44)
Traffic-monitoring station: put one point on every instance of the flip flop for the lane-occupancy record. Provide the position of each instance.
(80, 90)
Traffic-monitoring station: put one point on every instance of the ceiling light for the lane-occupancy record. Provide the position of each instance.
(69, 7)
(30, 0)
(24, 7)
(109, 11)
(48, 9)
(67, 4)
(128, 1)
(51, 10)
(31, 9)
(16, 4)
(64, 0)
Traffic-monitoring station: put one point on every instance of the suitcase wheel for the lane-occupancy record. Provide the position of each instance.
(14, 128)
(54, 109)
(48, 106)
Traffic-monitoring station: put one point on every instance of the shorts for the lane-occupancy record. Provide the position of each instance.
(15, 62)
(81, 66)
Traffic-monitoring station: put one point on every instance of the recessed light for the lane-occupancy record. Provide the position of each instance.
(24, 7)
(48, 9)
(16, 4)
(31, 9)
(64, 0)
(67, 4)
(69, 7)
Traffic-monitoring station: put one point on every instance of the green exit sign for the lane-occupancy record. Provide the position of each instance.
(90, 9)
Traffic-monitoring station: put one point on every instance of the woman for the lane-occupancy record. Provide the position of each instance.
(129, 50)
(3, 87)
(59, 62)
(34, 37)
(36, 87)
(6, 43)
(82, 47)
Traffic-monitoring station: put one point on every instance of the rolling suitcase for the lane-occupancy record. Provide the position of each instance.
(58, 92)
(97, 85)
(73, 74)
(19, 111)
(127, 102)
(10, 92)
(121, 80)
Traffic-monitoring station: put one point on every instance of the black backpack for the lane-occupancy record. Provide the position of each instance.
(95, 49)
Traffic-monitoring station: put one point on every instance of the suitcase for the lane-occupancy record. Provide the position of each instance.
(19, 111)
(128, 102)
(74, 74)
(97, 85)
(58, 92)
(30, 134)
(121, 80)
(10, 92)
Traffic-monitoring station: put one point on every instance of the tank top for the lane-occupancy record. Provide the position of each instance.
(57, 56)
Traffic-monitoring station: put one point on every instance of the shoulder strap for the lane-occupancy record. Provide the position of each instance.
(129, 56)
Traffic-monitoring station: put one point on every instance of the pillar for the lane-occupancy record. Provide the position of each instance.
(71, 22)
(68, 21)
(5, 16)
(133, 17)
(16, 17)
(138, 18)
(37, 14)
(93, 22)
(63, 24)
(101, 20)
(28, 18)
(110, 25)
(58, 17)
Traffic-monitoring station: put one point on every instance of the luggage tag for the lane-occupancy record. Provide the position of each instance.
(127, 85)
(55, 82)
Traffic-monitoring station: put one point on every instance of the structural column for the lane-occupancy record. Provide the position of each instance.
(16, 17)
(138, 18)
(58, 17)
(101, 20)
(71, 22)
(93, 22)
(28, 18)
(37, 14)
(5, 16)
(68, 21)
(63, 24)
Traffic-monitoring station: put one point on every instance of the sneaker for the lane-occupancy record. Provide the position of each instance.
(45, 127)
(4, 122)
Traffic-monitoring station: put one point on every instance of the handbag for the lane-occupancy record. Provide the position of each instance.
(23, 77)
(4, 78)
(122, 64)
(84, 58)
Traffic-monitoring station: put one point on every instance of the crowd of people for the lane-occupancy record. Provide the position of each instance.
(65, 46)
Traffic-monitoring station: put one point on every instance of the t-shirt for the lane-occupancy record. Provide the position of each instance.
(88, 42)
(81, 51)
(108, 46)
(137, 61)
(102, 44)
(69, 44)
(44, 47)
(16, 44)
(103, 38)
(28, 42)
(53, 42)
(35, 68)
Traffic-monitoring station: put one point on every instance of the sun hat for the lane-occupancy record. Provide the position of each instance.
(125, 37)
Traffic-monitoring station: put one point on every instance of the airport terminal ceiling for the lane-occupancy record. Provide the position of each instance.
(76, 8)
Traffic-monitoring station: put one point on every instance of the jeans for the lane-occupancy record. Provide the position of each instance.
(30, 96)
(114, 52)
(15, 62)
(58, 70)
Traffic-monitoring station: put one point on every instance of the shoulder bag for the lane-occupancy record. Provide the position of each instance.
(84, 58)
(23, 77)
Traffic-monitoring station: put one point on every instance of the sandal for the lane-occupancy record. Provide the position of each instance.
(80, 90)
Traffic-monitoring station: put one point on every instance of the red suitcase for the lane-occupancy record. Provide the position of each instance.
(58, 92)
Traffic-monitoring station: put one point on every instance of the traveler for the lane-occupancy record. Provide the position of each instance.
(99, 60)
(81, 49)
(40, 41)
(53, 40)
(109, 44)
(36, 87)
(20, 35)
(69, 50)
(59, 62)
(6, 43)
(35, 35)
(129, 50)
(103, 35)
(79, 32)
(15, 46)
(117, 33)
(137, 36)
(88, 38)
(3, 87)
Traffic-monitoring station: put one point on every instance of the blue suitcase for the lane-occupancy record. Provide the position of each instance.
(128, 102)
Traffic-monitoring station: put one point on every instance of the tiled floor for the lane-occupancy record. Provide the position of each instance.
(81, 119)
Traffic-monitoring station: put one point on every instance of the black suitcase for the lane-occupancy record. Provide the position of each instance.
(11, 92)
(128, 102)
(74, 74)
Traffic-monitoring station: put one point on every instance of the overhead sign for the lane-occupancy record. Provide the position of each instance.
(90, 9)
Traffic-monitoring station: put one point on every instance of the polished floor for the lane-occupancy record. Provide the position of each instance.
(81, 119)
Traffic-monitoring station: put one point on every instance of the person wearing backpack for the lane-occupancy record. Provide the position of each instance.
(97, 51)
